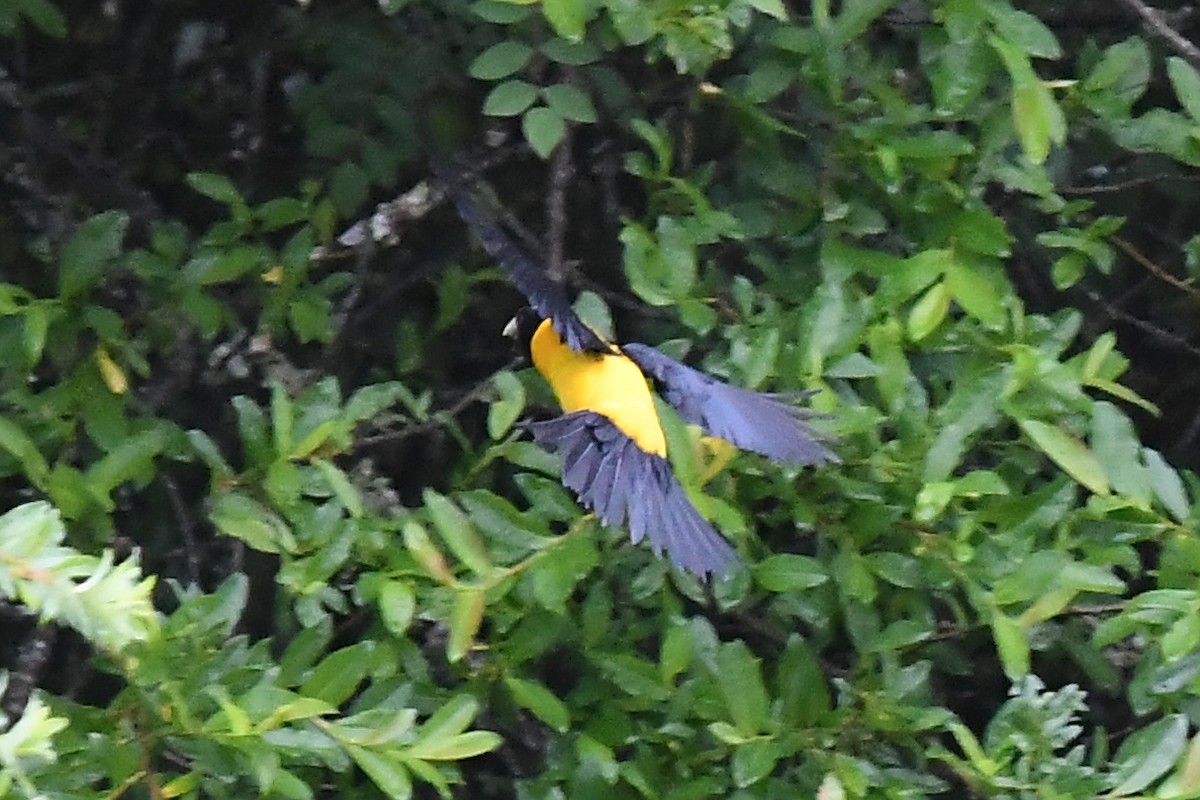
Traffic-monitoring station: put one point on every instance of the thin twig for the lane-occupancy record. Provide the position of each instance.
(1132, 183)
(1155, 269)
(1152, 18)
(561, 171)
(1162, 334)
(436, 419)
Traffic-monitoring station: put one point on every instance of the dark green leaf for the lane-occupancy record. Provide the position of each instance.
(500, 61)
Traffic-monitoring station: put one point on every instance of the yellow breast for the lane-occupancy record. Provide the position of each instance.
(611, 385)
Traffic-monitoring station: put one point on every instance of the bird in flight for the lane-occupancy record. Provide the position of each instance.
(613, 448)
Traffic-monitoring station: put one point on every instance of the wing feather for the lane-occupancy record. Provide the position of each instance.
(757, 421)
(546, 296)
(621, 482)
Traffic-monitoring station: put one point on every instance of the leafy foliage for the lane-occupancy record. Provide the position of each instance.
(261, 448)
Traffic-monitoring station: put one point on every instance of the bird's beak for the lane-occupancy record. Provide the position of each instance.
(510, 330)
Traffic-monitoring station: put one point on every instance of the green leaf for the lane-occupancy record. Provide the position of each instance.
(456, 748)
(132, 459)
(1037, 116)
(507, 408)
(45, 16)
(789, 573)
(509, 98)
(566, 17)
(239, 516)
(1186, 82)
(1149, 754)
(575, 54)
(543, 129)
(18, 444)
(215, 187)
(389, 775)
(739, 676)
(1119, 79)
(339, 674)
(1118, 449)
(972, 290)
(541, 701)
(1011, 645)
(801, 690)
(397, 605)
(451, 719)
(1023, 30)
(1069, 453)
(343, 489)
(753, 761)
(1167, 485)
(928, 312)
(570, 103)
(459, 534)
(465, 619)
(87, 254)
(772, 8)
(349, 186)
(500, 61)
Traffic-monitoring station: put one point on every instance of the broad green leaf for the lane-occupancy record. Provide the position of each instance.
(451, 719)
(1118, 448)
(87, 254)
(18, 444)
(239, 516)
(506, 409)
(928, 312)
(772, 8)
(1069, 453)
(1167, 485)
(456, 748)
(338, 674)
(500, 61)
(569, 102)
(800, 686)
(543, 128)
(215, 187)
(1023, 30)
(510, 98)
(739, 676)
(459, 534)
(397, 605)
(387, 773)
(1149, 754)
(789, 573)
(753, 761)
(566, 17)
(1186, 82)
(975, 294)
(541, 701)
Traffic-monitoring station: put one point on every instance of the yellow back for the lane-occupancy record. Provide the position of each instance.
(611, 385)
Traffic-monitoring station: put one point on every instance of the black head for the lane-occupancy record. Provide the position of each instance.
(521, 329)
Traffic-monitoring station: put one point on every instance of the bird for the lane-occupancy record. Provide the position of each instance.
(610, 437)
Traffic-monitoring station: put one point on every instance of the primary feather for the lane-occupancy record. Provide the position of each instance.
(751, 420)
(624, 484)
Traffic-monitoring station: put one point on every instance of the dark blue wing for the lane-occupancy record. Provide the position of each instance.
(546, 296)
(755, 421)
(624, 484)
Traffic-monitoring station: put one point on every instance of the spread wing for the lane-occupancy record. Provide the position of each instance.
(546, 296)
(764, 423)
(622, 483)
